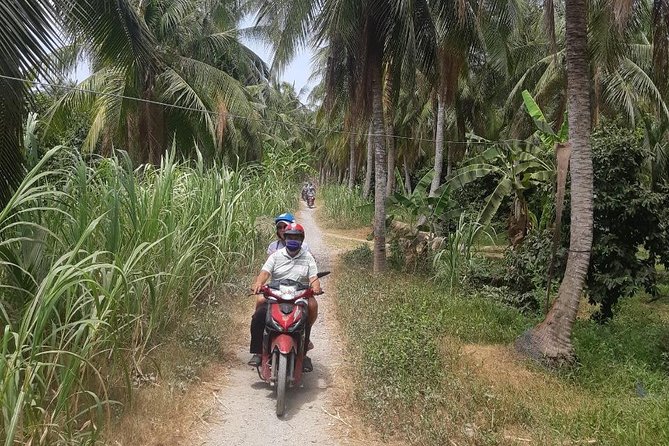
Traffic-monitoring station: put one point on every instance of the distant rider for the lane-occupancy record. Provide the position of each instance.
(305, 188)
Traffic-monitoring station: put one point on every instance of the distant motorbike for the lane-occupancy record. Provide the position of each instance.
(311, 198)
(284, 337)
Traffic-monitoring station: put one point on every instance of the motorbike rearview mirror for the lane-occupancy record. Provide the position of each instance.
(319, 275)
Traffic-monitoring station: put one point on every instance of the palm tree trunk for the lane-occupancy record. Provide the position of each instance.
(390, 131)
(449, 160)
(551, 339)
(151, 125)
(379, 173)
(351, 161)
(439, 146)
(12, 170)
(370, 163)
(407, 176)
(390, 184)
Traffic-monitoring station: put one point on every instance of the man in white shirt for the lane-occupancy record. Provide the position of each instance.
(291, 262)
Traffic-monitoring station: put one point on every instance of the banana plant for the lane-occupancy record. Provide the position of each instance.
(419, 203)
(545, 132)
(519, 166)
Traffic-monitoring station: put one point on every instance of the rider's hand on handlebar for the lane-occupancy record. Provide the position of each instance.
(256, 287)
(317, 289)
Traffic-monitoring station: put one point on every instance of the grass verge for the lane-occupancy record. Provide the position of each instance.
(172, 399)
(435, 368)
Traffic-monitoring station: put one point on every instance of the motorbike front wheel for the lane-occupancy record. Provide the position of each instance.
(281, 384)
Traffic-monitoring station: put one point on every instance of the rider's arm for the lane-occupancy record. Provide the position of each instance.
(313, 277)
(265, 272)
(260, 281)
(315, 284)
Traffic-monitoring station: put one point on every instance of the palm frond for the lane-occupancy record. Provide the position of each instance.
(115, 31)
(177, 89)
(26, 39)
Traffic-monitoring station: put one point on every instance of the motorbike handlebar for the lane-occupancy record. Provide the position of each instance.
(265, 290)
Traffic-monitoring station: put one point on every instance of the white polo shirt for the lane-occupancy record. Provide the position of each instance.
(300, 268)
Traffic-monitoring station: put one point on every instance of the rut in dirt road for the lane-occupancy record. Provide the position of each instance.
(245, 409)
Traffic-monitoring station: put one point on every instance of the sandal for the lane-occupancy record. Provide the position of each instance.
(307, 366)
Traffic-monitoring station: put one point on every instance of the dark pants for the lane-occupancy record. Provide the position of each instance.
(258, 327)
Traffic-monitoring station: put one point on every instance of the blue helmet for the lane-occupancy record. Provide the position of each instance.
(285, 217)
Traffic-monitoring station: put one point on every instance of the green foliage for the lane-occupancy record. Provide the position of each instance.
(289, 163)
(438, 210)
(360, 256)
(518, 168)
(546, 133)
(526, 269)
(453, 262)
(628, 215)
(397, 258)
(345, 208)
(96, 260)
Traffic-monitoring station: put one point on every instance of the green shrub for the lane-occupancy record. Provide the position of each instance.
(361, 256)
(628, 215)
(455, 260)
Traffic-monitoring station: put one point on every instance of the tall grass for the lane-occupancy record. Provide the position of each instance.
(347, 209)
(96, 259)
(455, 259)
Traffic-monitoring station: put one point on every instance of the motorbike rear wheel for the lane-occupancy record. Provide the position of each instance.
(281, 384)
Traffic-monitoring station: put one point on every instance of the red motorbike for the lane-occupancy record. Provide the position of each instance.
(284, 337)
(311, 197)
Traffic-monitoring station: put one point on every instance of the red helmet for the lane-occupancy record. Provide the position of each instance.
(294, 229)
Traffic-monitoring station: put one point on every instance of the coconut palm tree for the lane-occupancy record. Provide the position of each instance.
(376, 33)
(201, 69)
(339, 92)
(551, 339)
(467, 32)
(622, 66)
(26, 39)
(29, 48)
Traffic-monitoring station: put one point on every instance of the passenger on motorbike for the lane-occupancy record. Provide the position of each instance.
(281, 222)
(291, 262)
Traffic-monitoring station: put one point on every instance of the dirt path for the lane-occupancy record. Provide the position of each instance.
(244, 412)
